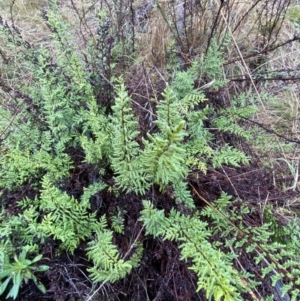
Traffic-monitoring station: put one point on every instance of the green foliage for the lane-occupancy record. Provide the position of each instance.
(124, 158)
(34, 164)
(60, 133)
(213, 268)
(19, 271)
(274, 251)
(92, 190)
(95, 139)
(293, 15)
(52, 109)
(241, 108)
(117, 221)
(227, 155)
(65, 218)
(20, 230)
(211, 66)
(163, 157)
(108, 266)
(166, 156)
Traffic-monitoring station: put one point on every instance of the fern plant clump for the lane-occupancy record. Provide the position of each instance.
(83, 176)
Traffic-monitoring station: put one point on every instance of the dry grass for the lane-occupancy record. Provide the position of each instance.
(27, 17)
(282, 107)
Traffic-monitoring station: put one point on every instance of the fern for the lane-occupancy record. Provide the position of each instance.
(277, 260)
(117, 221)
(92, 190)
(211, 66)
(168, 110)
(20, 230)
(227, 119)
(124, 158)
(162, 158)
(108, 266)
(96, 137)
(213, 268)
(69, 131)
(65, 218)
(181, 143)
(34, 165)
(229, 156)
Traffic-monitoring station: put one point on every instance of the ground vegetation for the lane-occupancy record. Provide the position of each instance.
(149, 150)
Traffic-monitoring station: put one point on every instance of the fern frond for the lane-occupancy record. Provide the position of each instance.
(168, 113)
(64, 217)
(229, 156)
(213, 268)
(163, 158)
(125, 153)
(108, 266)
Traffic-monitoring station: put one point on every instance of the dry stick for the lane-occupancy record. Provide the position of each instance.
(230, 181)
(70, 281)
(165, 282)
(82, 22)
(243, 61)
(245, 15)
(10, 123)
(244, 281)
(97, 290)
(132, 245)
(272, 132)
(295, 38)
